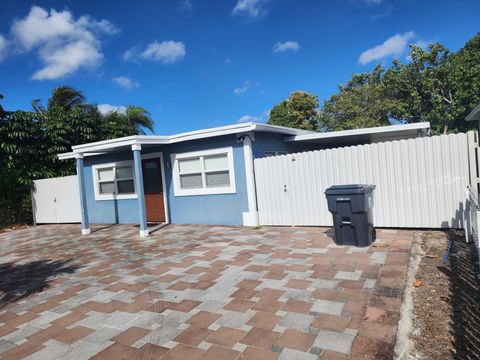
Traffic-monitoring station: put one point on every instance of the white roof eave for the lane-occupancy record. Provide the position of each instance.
(114, 144)
(390, 130)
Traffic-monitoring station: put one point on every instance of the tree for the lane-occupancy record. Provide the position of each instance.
(360, 103)
(2, 112)
(436, 86)
(64, 129)
(300, 111)
(22, 159)
(66, 97)
(138, 118)
(131, 122)
(413, 87)
(464, 77)
(30, 141)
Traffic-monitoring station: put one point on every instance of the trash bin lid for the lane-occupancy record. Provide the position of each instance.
(350, 189)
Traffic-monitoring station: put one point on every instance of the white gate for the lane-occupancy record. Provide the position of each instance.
(56, 200)
(419, 182)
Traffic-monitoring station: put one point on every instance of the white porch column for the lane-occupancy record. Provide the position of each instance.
(142, 215)
(83, 196)
(250, 218)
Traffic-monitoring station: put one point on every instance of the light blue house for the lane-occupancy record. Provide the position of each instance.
(199, 177)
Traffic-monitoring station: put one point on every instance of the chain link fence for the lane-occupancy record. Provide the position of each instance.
(472, 218)
(16, 215)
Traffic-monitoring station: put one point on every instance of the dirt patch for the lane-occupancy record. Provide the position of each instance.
(446, 296)
(13, 228)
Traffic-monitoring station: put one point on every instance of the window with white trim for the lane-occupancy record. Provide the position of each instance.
(114, 181)
(204, 172)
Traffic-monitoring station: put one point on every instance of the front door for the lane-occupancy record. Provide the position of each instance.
(153, 188)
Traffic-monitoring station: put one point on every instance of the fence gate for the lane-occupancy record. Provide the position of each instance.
(419, 182)
(56, 200)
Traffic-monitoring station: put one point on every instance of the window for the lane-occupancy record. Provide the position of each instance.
(114, 181)
(204, 172)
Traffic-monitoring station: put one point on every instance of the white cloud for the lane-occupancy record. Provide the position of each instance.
(3, 47)
(105, 109)
(63, 44)
(165, 51)
(248, 86)
(394, 45)
(103, 25)
(243, 88)
(249, 118)
(186, 5)
(250, 8)
(129, 54)
(125, 82)
(383, 15)
(66, 59)
(286, 46)
(372, 2)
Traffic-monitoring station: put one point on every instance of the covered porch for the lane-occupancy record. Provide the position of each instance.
(138, 177)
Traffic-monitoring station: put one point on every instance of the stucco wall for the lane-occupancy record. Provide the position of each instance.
(108, 211)
(268, 142)
(219, 209)
(274, 142)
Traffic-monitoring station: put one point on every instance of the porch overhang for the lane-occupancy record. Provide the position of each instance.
(124, 143)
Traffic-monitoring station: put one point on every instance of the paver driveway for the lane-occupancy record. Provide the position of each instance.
(203, 292)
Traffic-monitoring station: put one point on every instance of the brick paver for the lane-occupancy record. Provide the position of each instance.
(198, 292)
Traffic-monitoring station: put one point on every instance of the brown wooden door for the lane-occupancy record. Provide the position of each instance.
(153, 188)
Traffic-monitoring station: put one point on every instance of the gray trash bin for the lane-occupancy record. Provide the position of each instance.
(351, 207)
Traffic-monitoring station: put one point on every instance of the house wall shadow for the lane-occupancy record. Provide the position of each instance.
(18, 281)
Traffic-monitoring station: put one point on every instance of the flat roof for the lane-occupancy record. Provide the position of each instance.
(296, 135)
(365, 134)
(99, 147)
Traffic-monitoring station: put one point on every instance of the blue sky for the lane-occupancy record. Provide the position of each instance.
(203, 63)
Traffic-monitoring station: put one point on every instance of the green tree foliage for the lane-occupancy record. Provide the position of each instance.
(133, 121)
(359, 104)
(30, 141)
(2, 112)
(66, 97)
(21, 146)
(300, 111)
(434, 85)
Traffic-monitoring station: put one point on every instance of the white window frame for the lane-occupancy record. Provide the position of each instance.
(178, 191)
(113, 165)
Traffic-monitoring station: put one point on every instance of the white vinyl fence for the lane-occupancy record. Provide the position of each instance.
(56, 200)
(420, 183)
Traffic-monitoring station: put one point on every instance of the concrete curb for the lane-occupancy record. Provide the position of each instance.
(403, 340)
